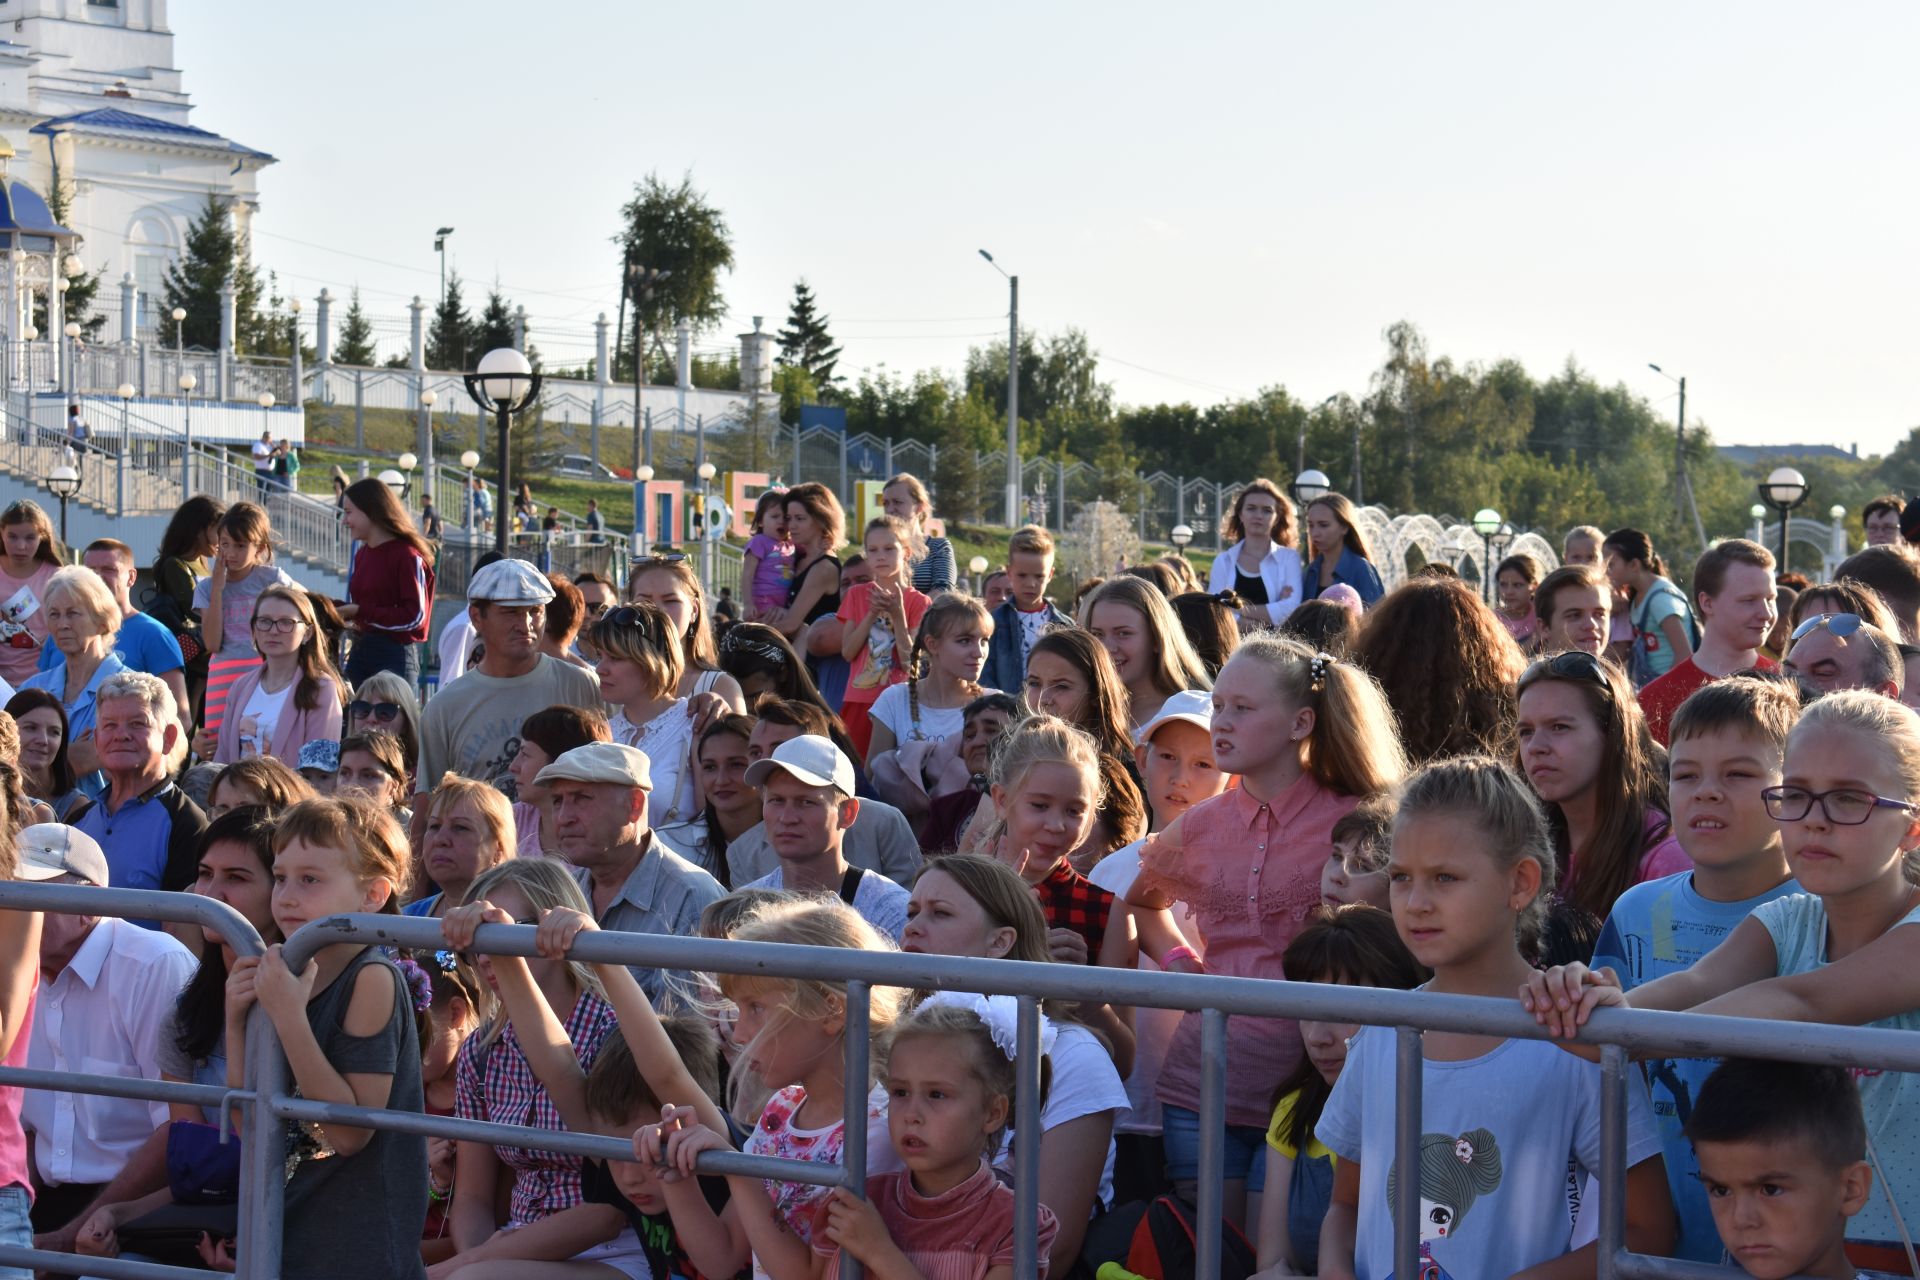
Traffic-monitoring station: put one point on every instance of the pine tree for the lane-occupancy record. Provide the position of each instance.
(81, 289)
(355, 344)
(494, 328)
(194, 279)
(805, 341)
(451, 337)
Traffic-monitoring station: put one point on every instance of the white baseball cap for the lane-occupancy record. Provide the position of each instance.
(510, 582)
(49, 850)
(1194, 706)
(812, 759)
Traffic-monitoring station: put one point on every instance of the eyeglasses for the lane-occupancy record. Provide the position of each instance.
(1841, 625)
(1843, 806)
(1574, 664)
(283, 625)
(384, 712)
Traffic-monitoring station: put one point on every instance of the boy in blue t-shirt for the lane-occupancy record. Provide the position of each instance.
(1729, 743)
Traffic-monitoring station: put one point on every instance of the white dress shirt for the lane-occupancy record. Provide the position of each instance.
(101, 1016)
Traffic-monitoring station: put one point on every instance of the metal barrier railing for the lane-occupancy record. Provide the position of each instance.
(266, 1101)
(136, 904)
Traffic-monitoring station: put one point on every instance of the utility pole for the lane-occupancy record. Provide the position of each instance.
(1683, 500)
(440, 247)
(1013, 392)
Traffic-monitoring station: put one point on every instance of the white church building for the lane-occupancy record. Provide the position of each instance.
(90, 98)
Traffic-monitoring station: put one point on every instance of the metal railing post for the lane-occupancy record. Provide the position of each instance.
(1213, 1141)
(1026, 1140)
(1612, 1182)
(1409, 1076)
(853, 1149)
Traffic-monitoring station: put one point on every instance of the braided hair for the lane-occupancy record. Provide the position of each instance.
(938, 620)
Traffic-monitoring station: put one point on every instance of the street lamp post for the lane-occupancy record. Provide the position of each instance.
(1013, 391)
(977, 566)
(64, 481)
(440, 247)
(180, 332)
(705, 473)
(72, 330)
(1181, 534)
(1759, 513)
(1784, 490)
(469, 459)
(1488, 524)
(126, 391)
(503, 384)
(1308, 488)
(187, 383)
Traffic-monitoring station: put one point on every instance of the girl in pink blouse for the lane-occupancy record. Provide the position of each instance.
(1307, 736)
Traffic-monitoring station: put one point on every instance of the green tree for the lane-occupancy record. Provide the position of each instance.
(967, 427)
(806, 341)
(494, 328)
(194, 279)
(355, 343)
(672, 229)
(451, 338)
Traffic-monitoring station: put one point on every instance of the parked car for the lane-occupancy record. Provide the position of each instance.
(577, 465)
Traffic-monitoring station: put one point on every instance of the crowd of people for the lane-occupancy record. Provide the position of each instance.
(1597, 789)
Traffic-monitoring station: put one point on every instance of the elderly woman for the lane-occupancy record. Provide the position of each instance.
(83, 621)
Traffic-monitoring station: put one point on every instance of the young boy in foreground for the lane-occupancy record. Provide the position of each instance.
(1782, 1151)
(1729, 743)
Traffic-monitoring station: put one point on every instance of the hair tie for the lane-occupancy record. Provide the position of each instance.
(419, 986)
(1227, 599)
(1000, 1014)
(1318, 668)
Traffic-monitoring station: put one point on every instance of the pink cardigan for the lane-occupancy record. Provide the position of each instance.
(296, 727)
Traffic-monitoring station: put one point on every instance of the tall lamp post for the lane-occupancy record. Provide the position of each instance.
(126, 391)
(705, 472)
(440, 247)
(1013, 391)
(1759, 514)
(180, 332)
(1784, 490)
(187, 383)
(1487, 523)
(503, 385)
(642, 517)
(64, 480)
(469, 459)
(72, 330)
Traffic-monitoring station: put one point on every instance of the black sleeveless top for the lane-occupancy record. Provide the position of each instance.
(1250, 587)
(828, 604)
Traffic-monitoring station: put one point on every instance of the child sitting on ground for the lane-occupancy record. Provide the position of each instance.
(1782, 1151)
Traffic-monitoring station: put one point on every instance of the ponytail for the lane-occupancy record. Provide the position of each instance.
(1353, 748)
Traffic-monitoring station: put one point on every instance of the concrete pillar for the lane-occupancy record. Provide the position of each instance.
(602, 379)
(418, 335)
(228, 325)
(128, 309)
(323, 330)
(682, 367)
(756, 359)
(520, 328)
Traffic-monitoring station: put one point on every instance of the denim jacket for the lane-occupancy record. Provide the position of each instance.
(1353, 569)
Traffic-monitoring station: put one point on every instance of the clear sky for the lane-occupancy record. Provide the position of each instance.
(1224, 196)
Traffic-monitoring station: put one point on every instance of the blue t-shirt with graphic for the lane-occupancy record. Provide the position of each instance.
(1658, 928)
(1508, 1138)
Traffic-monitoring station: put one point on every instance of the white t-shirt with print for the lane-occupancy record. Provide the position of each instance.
(1503, 1134)
(265, 709)
(937, 724)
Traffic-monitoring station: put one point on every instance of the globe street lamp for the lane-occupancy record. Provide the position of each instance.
(1487, 523)
(1759, 514)
(470, 459)
(503, 385)
(1311, 486)
(126, 391)
(1181, 534)
(407, 463)
(72, 330)
(180, 332)
(1784, 490)
(427, 400)
(977, 566)
(642, 518)
(64, 481)
(705, 472)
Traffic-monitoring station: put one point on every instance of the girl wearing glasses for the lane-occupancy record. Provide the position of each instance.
(1585, 747)
(292, 698)
(384, 703)
(1836, 953)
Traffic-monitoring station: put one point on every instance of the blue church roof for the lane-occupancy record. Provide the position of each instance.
(22, 209)
(132, 122)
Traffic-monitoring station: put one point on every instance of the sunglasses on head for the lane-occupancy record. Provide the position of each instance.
(384, 712)
(1841, 624)
(662, 557)
(732, 642)
(626, 615)
(1574, 664)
